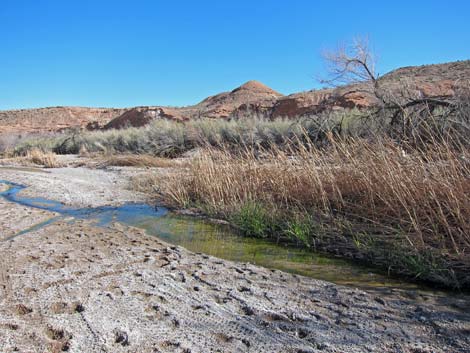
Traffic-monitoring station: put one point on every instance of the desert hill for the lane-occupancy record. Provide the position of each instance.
(221, 105)
(251, 98)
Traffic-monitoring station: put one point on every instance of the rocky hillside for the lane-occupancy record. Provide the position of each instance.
(255, 99)
(414, 81)
(251, 99)
(222, 105)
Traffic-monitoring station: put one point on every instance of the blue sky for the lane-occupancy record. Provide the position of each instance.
(128, 53)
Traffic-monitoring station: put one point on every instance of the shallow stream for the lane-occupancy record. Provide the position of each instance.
(201, 236)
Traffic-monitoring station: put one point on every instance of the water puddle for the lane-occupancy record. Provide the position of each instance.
(200, 236)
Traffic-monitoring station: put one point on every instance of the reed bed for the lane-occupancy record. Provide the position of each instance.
(407, 210)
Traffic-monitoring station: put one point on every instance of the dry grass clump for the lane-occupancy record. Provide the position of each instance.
(36, 157)
(139, 160)
(46, 159)
(407, 209)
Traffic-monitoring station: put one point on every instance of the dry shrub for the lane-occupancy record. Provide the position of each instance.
(146, 183)
(153, 183)
(417, 199)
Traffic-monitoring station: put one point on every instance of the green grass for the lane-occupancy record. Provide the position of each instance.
(253, 220)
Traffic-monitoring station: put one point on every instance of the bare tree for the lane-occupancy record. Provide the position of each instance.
(401, 109)
(351, 64)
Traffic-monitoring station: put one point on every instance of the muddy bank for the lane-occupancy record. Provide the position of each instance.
(75, 287)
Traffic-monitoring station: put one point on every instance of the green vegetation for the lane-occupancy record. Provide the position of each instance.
(253, 220)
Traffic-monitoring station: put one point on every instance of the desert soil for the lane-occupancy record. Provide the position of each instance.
(72, 286)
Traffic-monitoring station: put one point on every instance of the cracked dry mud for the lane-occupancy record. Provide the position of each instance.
(72, 286)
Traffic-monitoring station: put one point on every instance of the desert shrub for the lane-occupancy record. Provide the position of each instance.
(171, 139)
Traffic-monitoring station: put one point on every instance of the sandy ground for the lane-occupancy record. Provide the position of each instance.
(71, 286)
(79, 186)
(15, 218)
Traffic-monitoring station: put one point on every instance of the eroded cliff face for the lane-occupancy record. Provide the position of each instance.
(250, 99)
(55, 118)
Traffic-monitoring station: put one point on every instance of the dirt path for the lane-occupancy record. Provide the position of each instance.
(71, 286)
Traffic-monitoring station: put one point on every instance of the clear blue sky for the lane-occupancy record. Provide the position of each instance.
(128, 53)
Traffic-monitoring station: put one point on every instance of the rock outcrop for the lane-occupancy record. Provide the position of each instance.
(140, 116)
(55, 119)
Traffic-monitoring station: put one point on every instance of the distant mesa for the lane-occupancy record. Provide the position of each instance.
(252, 98)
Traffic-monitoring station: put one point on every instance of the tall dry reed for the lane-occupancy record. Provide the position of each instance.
(417, 200)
